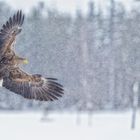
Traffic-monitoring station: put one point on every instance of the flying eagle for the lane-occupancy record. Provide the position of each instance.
(13, 77)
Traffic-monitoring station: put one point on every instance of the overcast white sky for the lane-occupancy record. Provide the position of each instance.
(63, 5)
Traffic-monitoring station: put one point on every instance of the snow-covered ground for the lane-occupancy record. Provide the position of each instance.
(66, 126)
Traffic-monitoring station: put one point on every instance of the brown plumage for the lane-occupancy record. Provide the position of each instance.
(16, 80)
(9, 31)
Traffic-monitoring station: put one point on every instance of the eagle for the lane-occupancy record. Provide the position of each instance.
(13, 78)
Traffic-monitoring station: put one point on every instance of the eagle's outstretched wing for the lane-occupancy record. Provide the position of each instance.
(33, 86)
(9, 31)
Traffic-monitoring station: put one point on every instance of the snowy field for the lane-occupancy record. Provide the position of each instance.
(67, 126)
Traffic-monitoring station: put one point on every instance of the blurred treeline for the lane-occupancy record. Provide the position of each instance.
(95, 56)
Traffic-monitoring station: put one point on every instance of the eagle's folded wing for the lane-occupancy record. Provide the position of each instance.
(34, 86)
(9, 30)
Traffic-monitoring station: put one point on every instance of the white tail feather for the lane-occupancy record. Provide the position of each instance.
(1, 82)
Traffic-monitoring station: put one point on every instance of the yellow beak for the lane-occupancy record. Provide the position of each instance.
(25, 61)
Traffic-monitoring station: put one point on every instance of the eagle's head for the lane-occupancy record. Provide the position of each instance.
(20, 60)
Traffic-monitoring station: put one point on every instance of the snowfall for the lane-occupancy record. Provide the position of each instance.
(68, 126)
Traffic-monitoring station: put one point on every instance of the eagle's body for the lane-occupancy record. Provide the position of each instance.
(13, 77)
